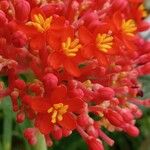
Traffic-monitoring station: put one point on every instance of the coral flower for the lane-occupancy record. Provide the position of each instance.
(100, 45)
(57, 109)
(39, 28)
(65, 52)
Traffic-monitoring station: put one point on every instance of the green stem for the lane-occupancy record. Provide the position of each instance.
(7, 124)
(41, 144)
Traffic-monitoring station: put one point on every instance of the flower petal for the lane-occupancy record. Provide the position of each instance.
(54, 60)
(85, 36)
(39, 104)
(75, 104)
(68, 122)
(58, 94)
(71, 68)
(43, 123)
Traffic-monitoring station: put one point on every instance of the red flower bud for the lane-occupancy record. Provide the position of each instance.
(131, 130)
(4, 5)
(76, 93)
(105, 93)
(19, 39)
(66, 132)
(20, 84)
(94, 144)
(83, 120)
(114, 118)
(50, 81)
(20, 117)
(3, 19)
(57, 132)
(22, 10)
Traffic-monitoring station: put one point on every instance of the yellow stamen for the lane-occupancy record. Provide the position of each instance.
(58, 110)
(71, 48)
(104, 42)
(40, 23)
(129, 27)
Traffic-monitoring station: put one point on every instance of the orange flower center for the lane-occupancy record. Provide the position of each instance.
(58, 110)
(70, 48)
(104, 42)
(129, 27)
(40, 23)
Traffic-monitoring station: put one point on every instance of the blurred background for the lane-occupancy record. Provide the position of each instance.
(11, 133)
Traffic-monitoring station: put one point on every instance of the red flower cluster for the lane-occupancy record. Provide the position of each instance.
(79, 57)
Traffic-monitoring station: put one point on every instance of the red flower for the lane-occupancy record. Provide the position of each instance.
(57, 109)
(40, 28)
(100, 45)
(65, 51)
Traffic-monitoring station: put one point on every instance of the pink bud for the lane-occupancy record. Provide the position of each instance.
(83, 120)
(105, 93)
(22, 10)
(114, 118)
(20, 84)
(131, 130)
(20, 117)
(57, 132)
(50, 81)
(4, 5)
(32, 141)
(76, 93)
(127, 115)
(66, 132)
(19, 39)
(3, 19)
(94, 144)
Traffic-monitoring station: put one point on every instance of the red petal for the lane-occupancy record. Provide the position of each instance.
(54, 60)
(68, 122)
(58, 23)
(58, 94)
(102, 59)
(75, 104)
(53, 40)
(85, 36)
(117, 19)
(43, 123)
(39, 104)
(71, 68)
(38, 42)
(87, 50)
(67, 32)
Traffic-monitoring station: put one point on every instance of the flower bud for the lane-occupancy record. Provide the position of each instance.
(20, 84)
(105, 93)
(94, 144)
(22, 10)
(20, 117)
(114, 118)
(4, 5)
(57, 132)
(83, 120)
(19, 39)
(66, 132)
(131, 130)
(76, 93)
(3, 19)
(50, 81)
